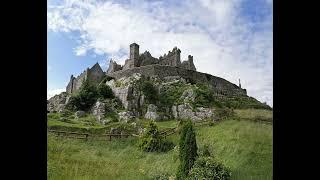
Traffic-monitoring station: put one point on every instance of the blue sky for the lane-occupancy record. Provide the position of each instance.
(228, 38)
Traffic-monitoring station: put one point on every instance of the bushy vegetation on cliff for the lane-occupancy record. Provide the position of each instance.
(87, 95)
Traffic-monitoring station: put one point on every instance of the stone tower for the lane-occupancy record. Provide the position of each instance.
(239, 84)
(134, 54)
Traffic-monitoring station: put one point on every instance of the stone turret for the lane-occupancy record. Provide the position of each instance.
(239, 84)
(134, 54)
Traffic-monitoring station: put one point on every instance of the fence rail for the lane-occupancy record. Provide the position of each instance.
(86, 136)
(77, 135)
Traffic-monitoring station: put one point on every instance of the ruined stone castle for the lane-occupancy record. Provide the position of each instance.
(167, 65)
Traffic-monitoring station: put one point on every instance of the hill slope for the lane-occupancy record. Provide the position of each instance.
(244, 145)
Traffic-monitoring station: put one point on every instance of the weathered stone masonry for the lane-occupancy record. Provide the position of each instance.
(94, 75)
(164, 66)
(220, 85)
(138, 60)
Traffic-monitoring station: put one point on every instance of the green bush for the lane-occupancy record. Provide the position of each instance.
(187, 150)
(206, 151)
(152, 141)
(162, 177)
(170, 96)
(150, 92)
(104, 91)
(224, 113)
(84, 98)
(209, 168)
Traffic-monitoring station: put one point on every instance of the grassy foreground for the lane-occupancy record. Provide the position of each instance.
(244, 146)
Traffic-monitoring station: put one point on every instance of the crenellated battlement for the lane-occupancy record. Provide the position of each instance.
(172, 58)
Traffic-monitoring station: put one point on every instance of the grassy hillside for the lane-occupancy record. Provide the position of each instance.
(245, 146)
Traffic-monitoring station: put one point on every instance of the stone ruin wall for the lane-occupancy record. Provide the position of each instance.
(172, 59)
(94, 75)
(75, 83)
(220, 85)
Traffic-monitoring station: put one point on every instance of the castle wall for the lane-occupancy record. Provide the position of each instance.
(95, 74)
(172, 59)
(78, 81)
(113, 66)
(146, 59)
(220, 85)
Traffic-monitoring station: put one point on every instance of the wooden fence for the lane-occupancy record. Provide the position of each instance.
(168, 132)
(86, 136)
(164, 133)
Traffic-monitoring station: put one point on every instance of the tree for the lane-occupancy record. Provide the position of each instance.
(84, 98)
(150, 92)
(104, 91)
(188, 150)
(152, 141)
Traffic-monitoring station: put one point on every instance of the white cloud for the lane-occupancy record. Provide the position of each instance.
(222, 43)
(52, 92)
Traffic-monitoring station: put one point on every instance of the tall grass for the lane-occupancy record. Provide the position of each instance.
(244, 146)
(120, 159)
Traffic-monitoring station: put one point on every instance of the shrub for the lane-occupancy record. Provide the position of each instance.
(224, 113)
(165, 176)
(152, 141)
(83, 99)
(104, 91)
(150, 92)
(206, 151)
(171, 95)
(209, 168)
(187, 150)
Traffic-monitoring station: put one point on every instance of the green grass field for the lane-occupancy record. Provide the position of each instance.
(245, 146)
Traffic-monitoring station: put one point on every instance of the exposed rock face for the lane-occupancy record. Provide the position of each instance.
(204, 113)
(126, 116)
(124, 90)
(152, 113)
(184, 111)
(188, 96)
(57, 102)
(220, 86)
(79, 114)
(98, 110)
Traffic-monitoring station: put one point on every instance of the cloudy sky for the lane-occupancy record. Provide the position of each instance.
(231, 39)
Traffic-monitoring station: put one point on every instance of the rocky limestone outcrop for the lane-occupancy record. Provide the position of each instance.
(124, 90)
(188, 96)
(57, 102)
(152, 113)
(126, 116)
(99, 111)
(79, 114)
(185, 111)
